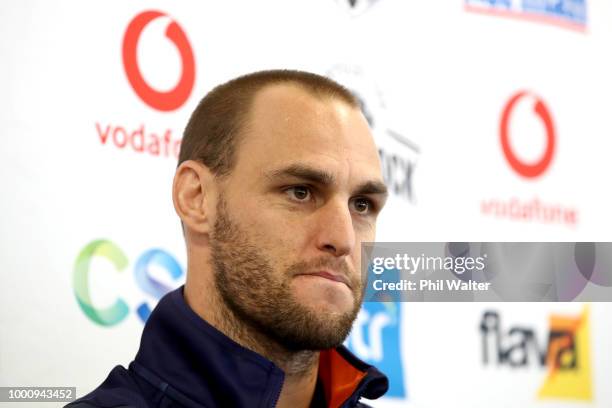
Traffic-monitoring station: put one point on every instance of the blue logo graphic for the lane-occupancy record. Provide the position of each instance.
(569, 11)
(148, 283)
(375, 339)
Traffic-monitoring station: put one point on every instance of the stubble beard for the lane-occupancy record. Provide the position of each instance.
(262, 300)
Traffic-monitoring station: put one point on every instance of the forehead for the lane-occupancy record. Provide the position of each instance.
(287, 124)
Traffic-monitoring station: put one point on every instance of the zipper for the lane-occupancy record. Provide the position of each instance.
(279, 388)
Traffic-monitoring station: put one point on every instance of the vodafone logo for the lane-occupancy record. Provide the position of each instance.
(163, 101)
(535, 169)
(521, 114)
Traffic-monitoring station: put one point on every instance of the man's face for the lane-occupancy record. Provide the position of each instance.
(304, 193)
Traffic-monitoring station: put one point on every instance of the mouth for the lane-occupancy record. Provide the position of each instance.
(336, 277)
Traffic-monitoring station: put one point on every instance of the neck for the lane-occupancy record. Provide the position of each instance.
(300, 367)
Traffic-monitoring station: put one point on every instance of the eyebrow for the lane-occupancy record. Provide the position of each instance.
(372, 187)
(322, 177)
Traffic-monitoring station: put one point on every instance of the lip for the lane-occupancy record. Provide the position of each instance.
(330, 275)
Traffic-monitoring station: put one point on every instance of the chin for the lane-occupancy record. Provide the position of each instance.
(323, 297)
(333, 305)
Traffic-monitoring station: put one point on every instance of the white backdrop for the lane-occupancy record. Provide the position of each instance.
(435, 78)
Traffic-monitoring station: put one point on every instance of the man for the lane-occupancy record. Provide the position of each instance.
(278, 183)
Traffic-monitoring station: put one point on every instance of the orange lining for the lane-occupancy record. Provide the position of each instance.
(339, 377)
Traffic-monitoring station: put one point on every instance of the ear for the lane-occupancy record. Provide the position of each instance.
(193, 193)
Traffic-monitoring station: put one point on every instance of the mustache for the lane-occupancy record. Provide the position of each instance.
(339, 266)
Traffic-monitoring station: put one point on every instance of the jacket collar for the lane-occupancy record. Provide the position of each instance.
(184, 355)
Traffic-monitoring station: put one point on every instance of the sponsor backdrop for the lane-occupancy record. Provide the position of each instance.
(492, 121)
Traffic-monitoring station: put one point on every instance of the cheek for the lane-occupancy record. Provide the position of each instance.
(281, 228)
(365, 233)
(356, 259)
(278, 239)
(362, 236)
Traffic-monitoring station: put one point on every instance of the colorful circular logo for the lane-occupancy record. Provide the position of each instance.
(529, 170)
(145, 279)
(163, 101)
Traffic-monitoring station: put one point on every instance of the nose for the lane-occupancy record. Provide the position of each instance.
(335, 232)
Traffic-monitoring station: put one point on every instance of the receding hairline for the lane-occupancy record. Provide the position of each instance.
(320, 96)
(317, 85)
(219, 122)
(247, 117)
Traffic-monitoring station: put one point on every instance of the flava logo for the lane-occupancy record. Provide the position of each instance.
(566, 355)
(570, 349)
(163, 101)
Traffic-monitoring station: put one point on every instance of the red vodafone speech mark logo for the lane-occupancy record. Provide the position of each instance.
(164, 101)
(526, 169)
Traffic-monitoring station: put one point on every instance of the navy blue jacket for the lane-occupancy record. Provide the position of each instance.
(185, 362)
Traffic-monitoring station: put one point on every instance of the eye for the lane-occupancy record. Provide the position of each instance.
(299, 193)
(362, 205)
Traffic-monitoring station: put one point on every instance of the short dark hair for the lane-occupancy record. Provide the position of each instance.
(211, 135)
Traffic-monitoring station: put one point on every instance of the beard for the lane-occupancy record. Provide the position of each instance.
(261, 298)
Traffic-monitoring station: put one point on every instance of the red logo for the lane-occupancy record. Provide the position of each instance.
(529, 170)
(164, 101)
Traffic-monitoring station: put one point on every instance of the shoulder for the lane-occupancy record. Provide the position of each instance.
(120, 389)
(88, 405)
